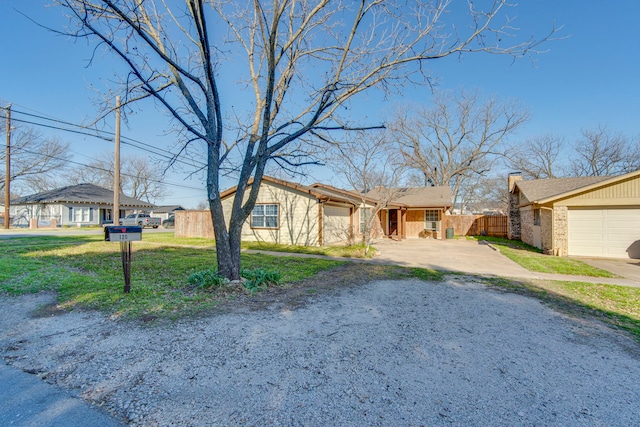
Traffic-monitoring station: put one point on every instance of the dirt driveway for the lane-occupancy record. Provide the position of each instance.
(453, 353)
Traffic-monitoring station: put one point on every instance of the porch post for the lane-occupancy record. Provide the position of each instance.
(403, 224)
(320, 223)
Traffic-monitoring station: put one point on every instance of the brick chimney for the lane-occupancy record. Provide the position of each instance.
(513, 229)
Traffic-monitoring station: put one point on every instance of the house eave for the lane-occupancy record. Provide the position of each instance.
(587, 188)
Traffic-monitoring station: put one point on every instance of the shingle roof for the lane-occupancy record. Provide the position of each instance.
(81, 193)
(416, 197)
(167, 209)
(337, 193)
(539, 189)
(412, 197)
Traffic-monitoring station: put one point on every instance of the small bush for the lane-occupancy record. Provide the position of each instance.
(259, 278)
(207, 279)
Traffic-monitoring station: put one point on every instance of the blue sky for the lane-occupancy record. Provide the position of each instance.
(589, 78)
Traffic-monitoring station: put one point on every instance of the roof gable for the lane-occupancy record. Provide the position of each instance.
(418, 197)
(320, 192)
(541, 191)
(406, 197)
(81, 193)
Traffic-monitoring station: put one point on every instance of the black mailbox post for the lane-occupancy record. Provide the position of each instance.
(125, 235)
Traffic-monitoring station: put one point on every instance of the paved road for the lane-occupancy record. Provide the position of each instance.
(26, 400)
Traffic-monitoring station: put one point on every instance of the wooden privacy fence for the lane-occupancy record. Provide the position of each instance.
(477, 225)
(193, 224)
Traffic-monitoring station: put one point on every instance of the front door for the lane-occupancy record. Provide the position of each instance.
(393, 222)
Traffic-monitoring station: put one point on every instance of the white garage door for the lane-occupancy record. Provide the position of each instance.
(603, 232)
(336, 224)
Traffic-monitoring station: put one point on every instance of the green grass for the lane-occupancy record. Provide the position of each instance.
(616, 305)
(533, 259)
(353, 251)
(87, 273)
(170, 239)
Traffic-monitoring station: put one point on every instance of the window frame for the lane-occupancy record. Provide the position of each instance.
(537, 217)
(365, 215)
(264, 217)
(429, 219)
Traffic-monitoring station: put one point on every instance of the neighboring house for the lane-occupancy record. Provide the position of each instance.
(321, 214)
(584, 216)
(76, 205)
(163, 212)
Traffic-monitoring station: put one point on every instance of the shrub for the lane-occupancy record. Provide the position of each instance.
(207, 279)
(259, 278)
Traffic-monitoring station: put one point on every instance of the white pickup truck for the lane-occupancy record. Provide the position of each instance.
(143, 220)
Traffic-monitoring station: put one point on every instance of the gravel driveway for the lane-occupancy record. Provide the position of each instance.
(385, 353)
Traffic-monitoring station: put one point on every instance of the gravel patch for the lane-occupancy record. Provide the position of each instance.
(386, 353)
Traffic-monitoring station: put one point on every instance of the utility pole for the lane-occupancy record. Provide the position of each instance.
(7, 182)
(116, 172)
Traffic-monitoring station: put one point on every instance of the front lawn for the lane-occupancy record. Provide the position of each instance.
(616, 305)
(86, 272)
(533, 259)
(353, 251)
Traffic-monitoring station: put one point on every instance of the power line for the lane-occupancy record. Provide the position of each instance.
(101, 169)
(96, 133)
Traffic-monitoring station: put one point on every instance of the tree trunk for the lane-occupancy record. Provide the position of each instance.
(227, 243)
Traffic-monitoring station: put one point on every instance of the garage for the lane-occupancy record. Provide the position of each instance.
(336, 224)
(603, 232)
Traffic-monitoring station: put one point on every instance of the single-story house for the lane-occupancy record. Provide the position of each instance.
(76, 205)
(163, 212)
(320, 214)
(583, 216)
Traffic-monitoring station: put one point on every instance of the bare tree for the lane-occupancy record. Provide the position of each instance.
(302, 60)
(457, 138)
(601, 152)
(368, 163)
(537, 158)
(486, 193)
(139, 178)
(35, 160)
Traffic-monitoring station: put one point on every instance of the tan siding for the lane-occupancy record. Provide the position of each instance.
(415, 223)
(626, 193)
(298, 216)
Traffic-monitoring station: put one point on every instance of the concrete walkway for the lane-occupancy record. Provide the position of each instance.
(473, 257)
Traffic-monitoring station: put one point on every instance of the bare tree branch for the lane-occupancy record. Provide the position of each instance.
(302, 59)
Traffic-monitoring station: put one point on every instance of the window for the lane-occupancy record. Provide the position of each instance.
(265, 216)
(536, 217)
(431, 218)
(365, 214)
(81, 214)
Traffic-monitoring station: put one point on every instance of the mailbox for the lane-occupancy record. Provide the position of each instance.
(119, 233)
(125, 235)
